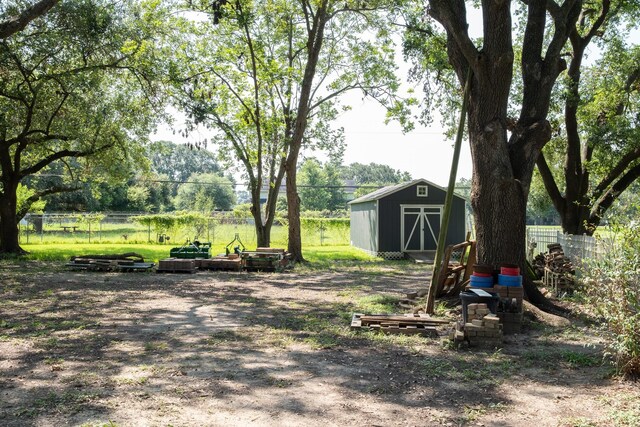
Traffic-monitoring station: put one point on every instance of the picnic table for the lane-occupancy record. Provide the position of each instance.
(67, 228)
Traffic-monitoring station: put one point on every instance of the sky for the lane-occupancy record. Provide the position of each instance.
(424, 153)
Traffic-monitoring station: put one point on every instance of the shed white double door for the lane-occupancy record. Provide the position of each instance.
(420, 226)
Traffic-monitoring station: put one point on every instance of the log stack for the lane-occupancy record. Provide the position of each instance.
(558, 270)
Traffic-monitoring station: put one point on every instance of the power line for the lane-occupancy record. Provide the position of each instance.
(245, 184)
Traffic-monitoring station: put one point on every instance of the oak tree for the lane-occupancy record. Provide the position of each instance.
(71, 89)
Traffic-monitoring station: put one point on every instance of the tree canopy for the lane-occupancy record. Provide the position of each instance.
(595, 153)
(206, 193)
(320, 186)
(72, 89)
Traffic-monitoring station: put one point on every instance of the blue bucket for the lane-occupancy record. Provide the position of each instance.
(481, 282)
(504, 280)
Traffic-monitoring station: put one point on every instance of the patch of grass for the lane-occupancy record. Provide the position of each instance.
(580, 360)
(623, 408)
(276, 337)
(100, 424)
(437, 367)
(224, 337)
(539, 357)
(155, 346)
(377, 304)
(441, 309)
(327, 336)
(68, 402)
(131, 380)
(472, 413)
(53, 360)
(578, 422)
(353, 291)
(323, 257)
(84, 379)
(50, 343)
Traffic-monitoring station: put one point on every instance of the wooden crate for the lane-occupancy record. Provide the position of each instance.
(176, 265)
(221, 263)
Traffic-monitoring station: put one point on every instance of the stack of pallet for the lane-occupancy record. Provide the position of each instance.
(558, 270)
(176, 265)
(231, 262)
(124, 262)
(408, 324)
(265, 259)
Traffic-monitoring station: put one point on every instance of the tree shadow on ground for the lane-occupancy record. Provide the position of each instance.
(82, 345)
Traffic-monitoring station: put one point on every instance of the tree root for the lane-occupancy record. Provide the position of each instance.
(545, 317)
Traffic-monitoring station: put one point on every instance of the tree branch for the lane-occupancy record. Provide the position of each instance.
(60, 155)
(452, 15)
(611, 195)
(550, 184)
(616, 172)
(18, 23)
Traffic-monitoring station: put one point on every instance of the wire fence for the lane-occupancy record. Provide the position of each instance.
(122, 227)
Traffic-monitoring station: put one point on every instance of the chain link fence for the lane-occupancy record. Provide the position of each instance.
(122, 227)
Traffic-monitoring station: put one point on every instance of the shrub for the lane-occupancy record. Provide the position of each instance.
(613, 287)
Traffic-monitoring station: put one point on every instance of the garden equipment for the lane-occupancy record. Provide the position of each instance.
(192, 250)
(236, 249)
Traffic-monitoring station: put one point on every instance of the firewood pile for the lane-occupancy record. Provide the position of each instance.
(558, 272)
(555, 260)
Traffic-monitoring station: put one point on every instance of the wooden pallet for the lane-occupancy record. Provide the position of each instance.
(408, 324)
(221, 263)
(266, 259)
(106, 263)
(175, 265)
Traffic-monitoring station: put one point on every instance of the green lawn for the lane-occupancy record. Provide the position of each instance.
(320, 255)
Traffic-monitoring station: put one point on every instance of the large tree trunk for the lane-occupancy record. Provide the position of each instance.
(575, 219)
(314, 46)
(500, 188)
(503, 165)
(293, 212)
(263, 230)
(9, 237)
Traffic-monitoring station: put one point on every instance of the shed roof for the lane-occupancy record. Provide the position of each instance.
(390, 189)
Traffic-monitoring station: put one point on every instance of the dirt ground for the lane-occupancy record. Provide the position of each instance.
(275, 349)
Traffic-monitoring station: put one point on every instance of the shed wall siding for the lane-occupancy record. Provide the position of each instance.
(390, 238)
(364, 226)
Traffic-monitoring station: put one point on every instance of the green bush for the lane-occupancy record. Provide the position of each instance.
(612, 284)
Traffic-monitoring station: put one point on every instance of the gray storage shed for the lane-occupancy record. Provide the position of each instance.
(402, 218)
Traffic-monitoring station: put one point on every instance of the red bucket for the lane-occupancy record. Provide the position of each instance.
(477, 274)
(510, 270)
